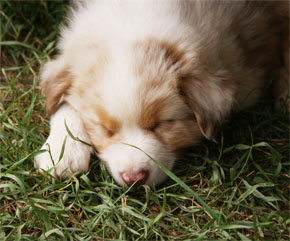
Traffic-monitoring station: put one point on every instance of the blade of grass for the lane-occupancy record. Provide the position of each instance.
(75, 138)
(181, 183)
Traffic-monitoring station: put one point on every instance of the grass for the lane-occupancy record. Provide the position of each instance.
(237, 189)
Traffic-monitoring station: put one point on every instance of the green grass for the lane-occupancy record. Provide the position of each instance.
(237, 189)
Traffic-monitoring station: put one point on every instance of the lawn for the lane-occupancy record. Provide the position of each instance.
(235, 189)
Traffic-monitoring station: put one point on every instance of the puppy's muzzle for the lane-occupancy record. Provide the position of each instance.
(139, 178)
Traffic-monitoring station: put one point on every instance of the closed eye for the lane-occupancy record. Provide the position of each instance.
(108, 132)
(161, 123)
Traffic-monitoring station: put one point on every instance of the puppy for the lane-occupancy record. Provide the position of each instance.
(159, 75)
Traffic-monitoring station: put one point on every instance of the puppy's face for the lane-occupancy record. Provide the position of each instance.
(133, 97)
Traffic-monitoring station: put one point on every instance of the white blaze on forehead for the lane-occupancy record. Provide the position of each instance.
(123, 92)
(118, 88)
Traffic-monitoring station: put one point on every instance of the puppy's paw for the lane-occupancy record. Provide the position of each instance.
(76, 156)
(64, 154)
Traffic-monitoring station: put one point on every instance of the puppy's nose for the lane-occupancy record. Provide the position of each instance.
(139, 177)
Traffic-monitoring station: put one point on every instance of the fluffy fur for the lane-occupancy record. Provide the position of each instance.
(159, 75)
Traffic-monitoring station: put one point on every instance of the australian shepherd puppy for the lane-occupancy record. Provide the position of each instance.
(159, 75)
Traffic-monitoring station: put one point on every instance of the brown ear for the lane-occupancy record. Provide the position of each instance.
(55, 80)
(210, 97)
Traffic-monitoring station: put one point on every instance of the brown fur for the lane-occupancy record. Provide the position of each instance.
(179, 134)
(99, 135)
(202, 92)
(108, 122)
(150, 114)
(54, 88)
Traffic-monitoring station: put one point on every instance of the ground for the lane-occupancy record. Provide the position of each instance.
(235, 189)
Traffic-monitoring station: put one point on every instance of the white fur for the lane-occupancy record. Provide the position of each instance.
(76, 154)
(122, 157)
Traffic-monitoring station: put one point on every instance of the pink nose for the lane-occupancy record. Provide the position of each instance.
(139, 177)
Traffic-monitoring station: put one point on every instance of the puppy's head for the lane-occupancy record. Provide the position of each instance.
(153, 95)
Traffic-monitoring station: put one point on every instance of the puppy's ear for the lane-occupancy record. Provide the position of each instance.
(55, 81)
(210, 97)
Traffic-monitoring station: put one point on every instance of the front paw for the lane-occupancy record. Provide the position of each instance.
(62, 158)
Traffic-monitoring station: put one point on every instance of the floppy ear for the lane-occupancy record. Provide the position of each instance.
(55, 80)
(210, 97)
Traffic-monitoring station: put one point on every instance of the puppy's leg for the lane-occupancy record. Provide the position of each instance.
(76, 155)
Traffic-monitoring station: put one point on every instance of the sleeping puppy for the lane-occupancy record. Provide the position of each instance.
(159, 75)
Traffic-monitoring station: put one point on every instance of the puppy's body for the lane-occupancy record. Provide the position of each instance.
(159, 75)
